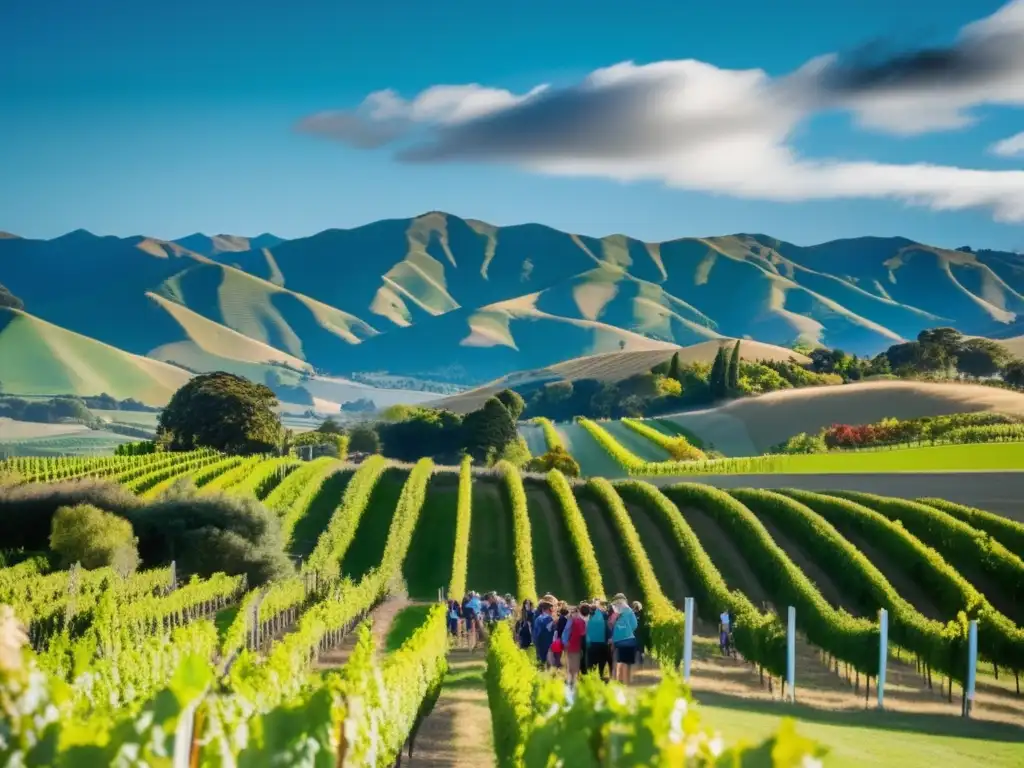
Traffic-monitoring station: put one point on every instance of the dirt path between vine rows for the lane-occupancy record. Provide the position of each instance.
(383, 616)
(615, 571)
(554, 556)
(457, 732)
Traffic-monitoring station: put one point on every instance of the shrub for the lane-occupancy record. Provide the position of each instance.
(87, 535)
(803, 443)
(207, 533)
(516, 453)
(557, 458)
(678, 446)
(363, 438)
(1009, 533)
(27, 511)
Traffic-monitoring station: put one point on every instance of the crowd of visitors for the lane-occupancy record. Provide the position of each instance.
(606, 637)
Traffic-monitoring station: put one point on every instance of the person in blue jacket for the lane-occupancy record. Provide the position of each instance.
(623, 622)
(543, 632)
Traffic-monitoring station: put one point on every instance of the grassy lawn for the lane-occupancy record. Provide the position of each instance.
(939, 458)
(406, 622)
(871, 737)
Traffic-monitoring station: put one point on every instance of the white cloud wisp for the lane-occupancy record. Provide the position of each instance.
(696, 126)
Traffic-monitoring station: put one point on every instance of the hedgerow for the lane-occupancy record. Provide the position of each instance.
(577, 527)
(678, 447)
(666, 623)
(1007, 532)
(463, 519)
(526, 579)
(551, 436)
(963, 546)
(760, 637)
(999, 640)
(535, 726)
(336, 538)
(939, 646)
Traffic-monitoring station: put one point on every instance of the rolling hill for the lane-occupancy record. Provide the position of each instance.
(459, 300)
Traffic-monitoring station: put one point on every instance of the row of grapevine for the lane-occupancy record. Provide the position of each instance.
(526, 578)
(760, 637)
(578, 533)
(198, 598)
(228, 479)
(999, 640)
(1007, 532)
(963, 546)
(158, 461)
(536, 726)
(337, 536)
(382, 709)
(666, 623)
(463, 520)
(291, 498)
(265, 477)
(551, 436)
(48, 469)
(861, 581)
(849, 639)
(269, 609)
(153, 483)
(678, 447)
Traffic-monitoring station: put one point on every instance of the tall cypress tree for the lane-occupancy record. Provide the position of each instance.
(718, 381)
(674, 371)
(733, 379)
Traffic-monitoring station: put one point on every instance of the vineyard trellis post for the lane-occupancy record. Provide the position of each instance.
(972, 667)
(791, 653)
(174, 575)
(687, 638)
(883, 652)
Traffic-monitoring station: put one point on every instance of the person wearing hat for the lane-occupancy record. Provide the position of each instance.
(623, 623)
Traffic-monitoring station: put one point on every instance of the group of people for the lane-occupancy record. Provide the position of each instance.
(609, 637)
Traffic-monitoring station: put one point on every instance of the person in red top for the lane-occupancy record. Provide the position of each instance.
(577, 632)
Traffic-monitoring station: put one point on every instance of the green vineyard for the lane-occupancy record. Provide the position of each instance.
(284, 662)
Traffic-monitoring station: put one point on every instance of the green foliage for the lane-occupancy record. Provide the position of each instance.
(463, 519)
(852, 640)
(758, 379)
(940, 647)
(328, 443)
(556, 458)
(666, 623)
(1013, 374)
(678, 446)
(675, 371)
(760, 637)
(803, 443)
(668, 387)
(963, 546)
(526, 579)
(205, 533)
(221, 411)
(578, 534)
(1009, 533)
(363, 438)
(330, 427)
(718, 381)
(551, 436)
(516, 453)
(488, 430)
(998, 639)
(334, 541)
(87, 535)
(733, 375)
(58, 410)
(425, 432)
(512, 401)
(535, 726)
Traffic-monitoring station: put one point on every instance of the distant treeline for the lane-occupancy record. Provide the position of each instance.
(65, 409)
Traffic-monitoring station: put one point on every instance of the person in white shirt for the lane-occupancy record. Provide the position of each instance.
(723, 631)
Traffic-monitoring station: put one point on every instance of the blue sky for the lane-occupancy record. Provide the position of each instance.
(164, 119)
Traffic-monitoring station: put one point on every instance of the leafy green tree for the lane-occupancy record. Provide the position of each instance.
(1013, 373)
(209, 532)
(363, 438)
(87, 535)
(222, 411)
(488, 430)
(981, 357)
(733, 376)
(330, 427)
(718, 381)
(513, 402)
(557, 458)
(674, 370)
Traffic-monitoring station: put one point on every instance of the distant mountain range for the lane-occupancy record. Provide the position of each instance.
(442, 298)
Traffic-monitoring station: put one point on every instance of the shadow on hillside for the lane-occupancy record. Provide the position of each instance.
(945, 725)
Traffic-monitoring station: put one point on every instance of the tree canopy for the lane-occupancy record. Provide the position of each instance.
(93, 538)
(221, 411)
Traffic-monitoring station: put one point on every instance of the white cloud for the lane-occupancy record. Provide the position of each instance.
(1009, 147)
(693, 125)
